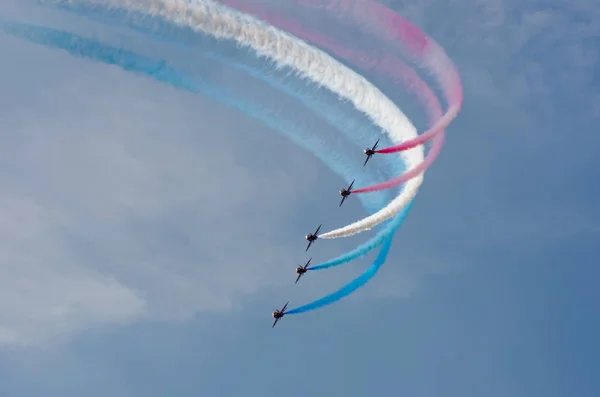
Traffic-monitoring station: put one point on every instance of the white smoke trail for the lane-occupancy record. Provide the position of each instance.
(309, 62)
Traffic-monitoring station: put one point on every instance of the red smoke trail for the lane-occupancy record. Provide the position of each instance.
(380, 20)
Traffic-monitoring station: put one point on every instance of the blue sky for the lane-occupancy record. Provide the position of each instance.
(118, 280)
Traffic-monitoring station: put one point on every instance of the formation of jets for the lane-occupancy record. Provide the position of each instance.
(311, 237)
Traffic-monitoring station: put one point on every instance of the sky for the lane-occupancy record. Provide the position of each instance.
(148, 233)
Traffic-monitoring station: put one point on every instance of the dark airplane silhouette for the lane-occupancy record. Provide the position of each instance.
(346, 192)
(301, 270)
(277, 314)
(312, 237)
(370, 152)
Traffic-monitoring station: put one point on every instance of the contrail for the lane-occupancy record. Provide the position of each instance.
(286, 51)
(392, 227)
(160, 70)
(310, 63)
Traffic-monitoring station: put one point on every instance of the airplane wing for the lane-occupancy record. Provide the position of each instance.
(283, 310)
(376, 143)
(342, 202)
(350, 187)
(300, 275)
(319, 228)
(307, 263)
(275, 323)
(309, 243)
(368, 157)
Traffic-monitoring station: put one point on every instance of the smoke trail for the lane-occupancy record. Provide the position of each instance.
(352, 286)
(159, 70)
(309, 63)
(357, 287)
(359, 281)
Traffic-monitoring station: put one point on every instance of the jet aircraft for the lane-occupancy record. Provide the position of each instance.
(277, 314)
(370, 152)
(301, 270)
(346, 192)
(312, 237)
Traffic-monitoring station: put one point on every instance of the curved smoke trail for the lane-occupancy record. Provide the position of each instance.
(381, 258)
(363, 249)
(161, 71)
(308, 62)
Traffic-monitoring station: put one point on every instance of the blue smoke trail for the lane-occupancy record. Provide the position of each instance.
(360, 280)
(364, 248)
(163, 30)
(160, 71)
